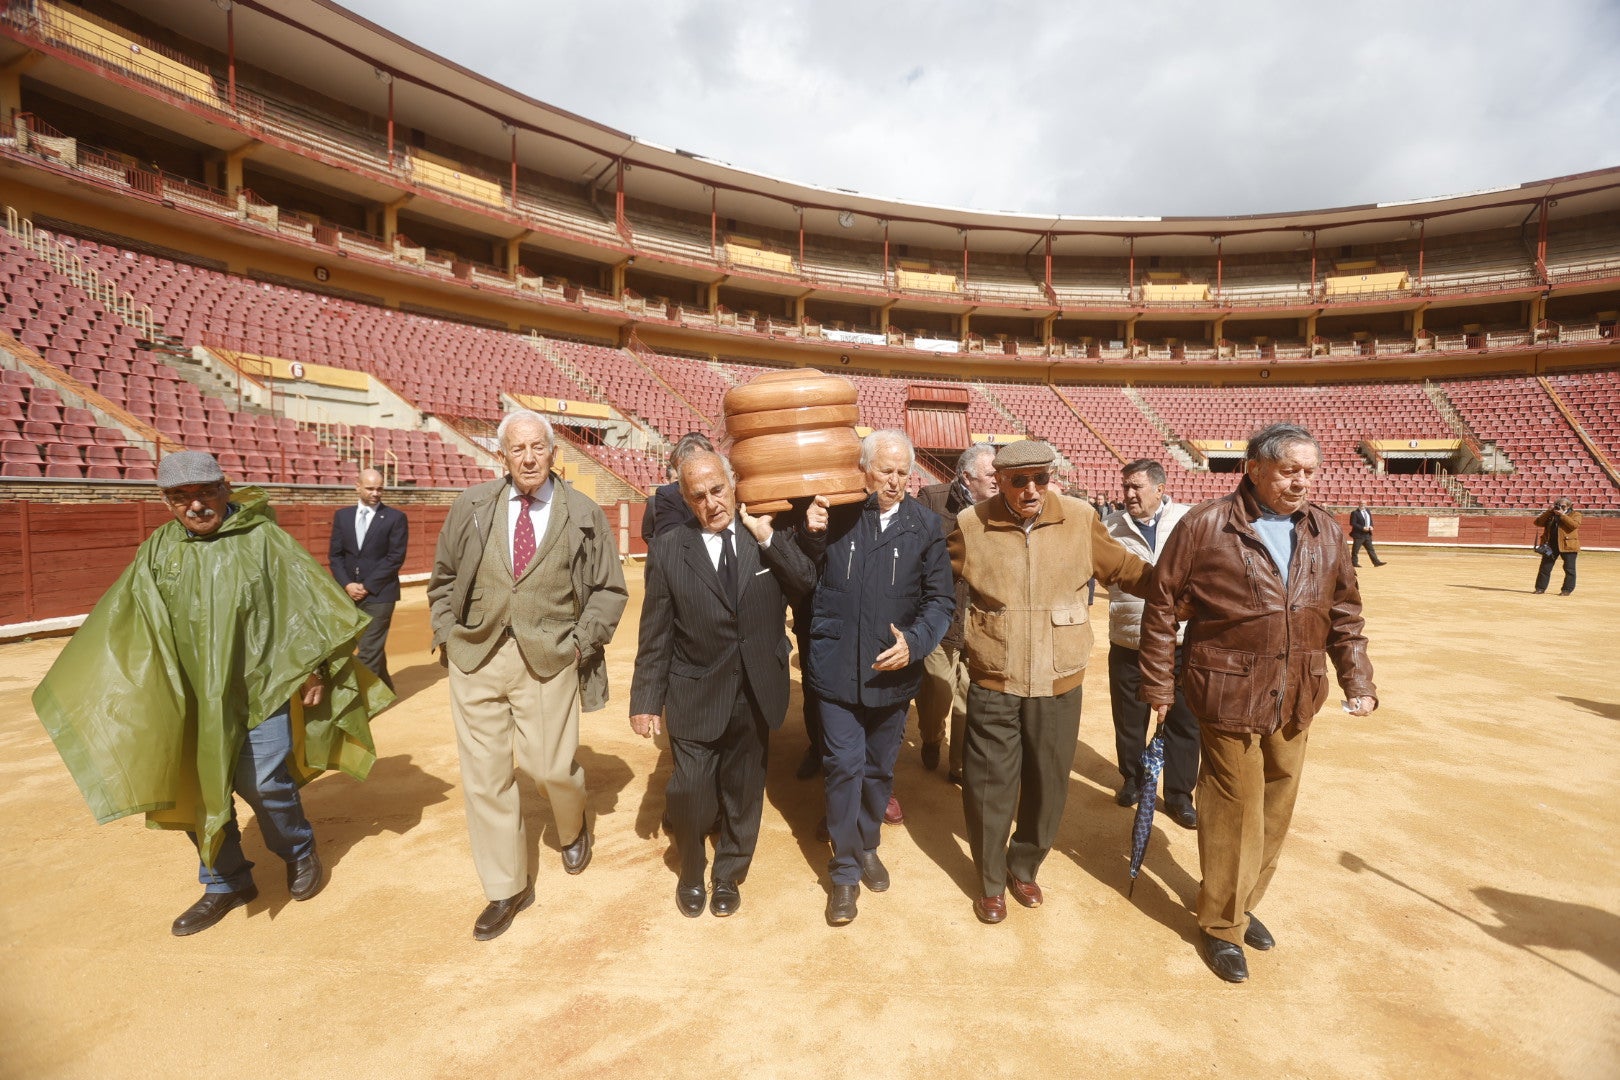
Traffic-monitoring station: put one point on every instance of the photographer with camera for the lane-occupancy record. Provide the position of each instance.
(1560, 526)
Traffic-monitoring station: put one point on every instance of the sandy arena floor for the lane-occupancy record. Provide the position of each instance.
(1448, 904)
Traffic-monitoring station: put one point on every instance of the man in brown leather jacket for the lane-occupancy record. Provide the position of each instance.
(1263, 578)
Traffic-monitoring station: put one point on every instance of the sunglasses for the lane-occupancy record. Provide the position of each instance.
(1040, 479)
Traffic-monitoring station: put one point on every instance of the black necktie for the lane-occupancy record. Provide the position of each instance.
(728, 566)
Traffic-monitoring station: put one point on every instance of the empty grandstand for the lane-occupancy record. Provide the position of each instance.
(214, 244)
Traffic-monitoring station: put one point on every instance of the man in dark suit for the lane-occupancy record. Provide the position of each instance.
(367, 550)
(712, 662)
(1361, 536)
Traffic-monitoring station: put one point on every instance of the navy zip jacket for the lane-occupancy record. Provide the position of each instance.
(864, 582)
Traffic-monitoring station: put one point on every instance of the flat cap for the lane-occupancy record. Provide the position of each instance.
(1026, 452)
(188, 467)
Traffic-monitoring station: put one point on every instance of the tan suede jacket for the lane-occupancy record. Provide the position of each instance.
(1569, 528)
(1027, 630)
(1256, 651)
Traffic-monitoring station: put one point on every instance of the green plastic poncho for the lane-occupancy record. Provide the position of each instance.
(201, 639)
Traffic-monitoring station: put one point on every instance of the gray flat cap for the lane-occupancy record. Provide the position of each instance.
(1028, 452)
(188, 467)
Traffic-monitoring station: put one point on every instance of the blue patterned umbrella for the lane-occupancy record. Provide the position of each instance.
(1142, 827)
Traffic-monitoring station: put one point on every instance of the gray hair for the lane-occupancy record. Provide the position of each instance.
(690, 443)
(870, 444)
(695, 457)
(971, 455)
(1270, 443)
(518, 416)
(1155, 471)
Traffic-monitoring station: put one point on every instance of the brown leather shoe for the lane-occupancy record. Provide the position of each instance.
(892, 814)
(577, 856)
(305, 876)
(990, 909)
(498, 914)
(213, 907)
(1026, 893)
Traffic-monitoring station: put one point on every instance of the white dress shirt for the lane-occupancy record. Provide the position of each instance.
(711, 542)
(539, 513)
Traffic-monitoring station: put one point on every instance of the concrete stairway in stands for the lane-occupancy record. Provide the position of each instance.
(1172, 441)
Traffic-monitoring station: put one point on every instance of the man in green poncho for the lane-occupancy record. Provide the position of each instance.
(220, 661)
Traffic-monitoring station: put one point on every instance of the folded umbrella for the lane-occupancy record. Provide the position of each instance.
(1142, 827)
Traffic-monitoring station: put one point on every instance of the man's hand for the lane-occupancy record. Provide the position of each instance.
(896, 656)
(357, 592)
(759, 527)
(646, 724)
(1159, 713)
(815, 515)
(1362, 706)
(314, 690)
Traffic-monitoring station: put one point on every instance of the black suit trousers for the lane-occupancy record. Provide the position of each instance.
(1131, 719)
(369, 650)
(724, 775)
(1359, 541)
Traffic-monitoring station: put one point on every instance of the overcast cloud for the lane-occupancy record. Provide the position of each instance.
(1156, 108)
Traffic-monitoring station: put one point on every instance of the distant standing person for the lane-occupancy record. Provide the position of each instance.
(1560, 539)
(666, 510)
(367, 550)
(1361, 530)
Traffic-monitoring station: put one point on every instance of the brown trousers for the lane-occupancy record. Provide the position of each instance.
(943, 694)
(1247, 784)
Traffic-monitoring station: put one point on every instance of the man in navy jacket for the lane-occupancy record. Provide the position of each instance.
(367, 550)
(883, 601)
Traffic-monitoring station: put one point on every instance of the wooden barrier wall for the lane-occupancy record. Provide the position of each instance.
(60, 557)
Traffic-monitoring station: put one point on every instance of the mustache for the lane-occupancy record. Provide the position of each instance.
(200, 515)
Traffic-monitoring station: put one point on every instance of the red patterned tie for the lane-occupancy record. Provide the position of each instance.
(523, 538)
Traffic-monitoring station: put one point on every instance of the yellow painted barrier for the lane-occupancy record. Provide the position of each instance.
(79, 31)
(443, 173)
(1180, 292)
(1356, 284)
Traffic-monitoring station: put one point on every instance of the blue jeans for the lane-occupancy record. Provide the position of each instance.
(263, 780)
(861, 744)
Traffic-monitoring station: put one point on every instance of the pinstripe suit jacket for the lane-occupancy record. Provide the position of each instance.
(695, 649)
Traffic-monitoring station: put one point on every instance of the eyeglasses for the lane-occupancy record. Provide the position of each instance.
(187, 496)
(1040, 479)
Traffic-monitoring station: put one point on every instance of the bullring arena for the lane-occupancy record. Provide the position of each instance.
(282, 235)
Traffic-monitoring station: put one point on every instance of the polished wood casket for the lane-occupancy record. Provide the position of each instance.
(793, 437)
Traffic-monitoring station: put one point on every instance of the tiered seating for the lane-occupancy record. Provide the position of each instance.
(1549, 460)
(92, 344)
(1594, 398)
(695, 381)
(41, 436)
(444, 367)
(1340, 416)
(1583, 248)
(619, 379)
(421, 458)
(1047, 417)
(642, 469)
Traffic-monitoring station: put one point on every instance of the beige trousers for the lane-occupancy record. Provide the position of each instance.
(942, 695)
(1247, 784)
(507, 716)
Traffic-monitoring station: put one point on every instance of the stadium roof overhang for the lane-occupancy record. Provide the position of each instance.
(326, 48)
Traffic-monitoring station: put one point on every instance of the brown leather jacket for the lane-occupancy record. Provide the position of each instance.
(1256, 652)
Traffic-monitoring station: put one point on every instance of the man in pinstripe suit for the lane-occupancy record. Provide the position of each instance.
(712, 667)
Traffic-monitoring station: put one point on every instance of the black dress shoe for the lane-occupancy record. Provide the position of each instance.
(577, 856)
(1127, 795)
(1224, 958)
(213, 907)
(841, 905)
(809, 765)
(725, 899)
(498, 914)
(1180, 809)
(1257, 936)
(874, 875)
(304, 876)
(930, 755)
(689, 898)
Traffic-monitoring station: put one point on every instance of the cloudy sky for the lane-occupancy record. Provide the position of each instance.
(1169, 107)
